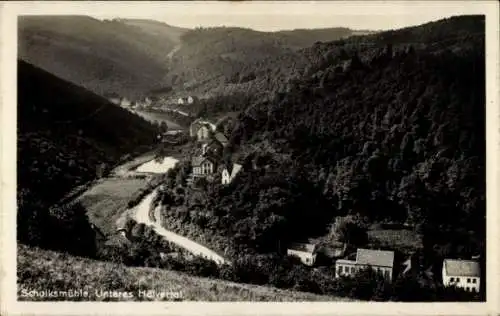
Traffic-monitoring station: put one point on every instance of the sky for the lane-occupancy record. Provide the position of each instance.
(267, 15)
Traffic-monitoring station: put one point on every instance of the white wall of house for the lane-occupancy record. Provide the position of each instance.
(225, 177)
(307, 258)
(207, 167)
(345, 268)
(468, 283)
(202, 133)
(349, 268)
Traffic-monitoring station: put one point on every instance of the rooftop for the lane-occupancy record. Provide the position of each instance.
(303, 247)
(198, 160)
(381, 258)
(221, 138)
(462, 267)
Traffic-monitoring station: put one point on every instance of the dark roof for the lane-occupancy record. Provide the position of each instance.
(462, 267)
(221, 138)
(197, 161)
(381, 258)
(303, 247)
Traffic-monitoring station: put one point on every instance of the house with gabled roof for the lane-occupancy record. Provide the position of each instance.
(381, 261)
(203, 166)
(305, 252)
(196, 126)
(229, 172)
(465, 274)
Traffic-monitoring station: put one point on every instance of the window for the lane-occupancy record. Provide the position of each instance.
(468, 289)
(452, 279)
(339, 270)
(346, 269)
(352, 269)
(386, 274)
(474, 281)
(468, 280)
(458, 279)
(307, 260)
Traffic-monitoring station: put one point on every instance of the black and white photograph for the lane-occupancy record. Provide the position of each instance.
(169, 153)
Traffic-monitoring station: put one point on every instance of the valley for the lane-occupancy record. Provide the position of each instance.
(334, 163)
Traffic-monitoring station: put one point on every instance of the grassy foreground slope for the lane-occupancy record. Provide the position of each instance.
(48, 270)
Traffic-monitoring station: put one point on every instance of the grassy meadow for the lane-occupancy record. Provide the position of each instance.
(41, 270)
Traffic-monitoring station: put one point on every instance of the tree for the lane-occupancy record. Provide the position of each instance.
(350, 230)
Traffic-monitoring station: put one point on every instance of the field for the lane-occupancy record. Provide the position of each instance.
(107, 200)
(41, 269)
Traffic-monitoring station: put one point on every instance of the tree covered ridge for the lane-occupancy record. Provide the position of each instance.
(398, 134)
(65, 134)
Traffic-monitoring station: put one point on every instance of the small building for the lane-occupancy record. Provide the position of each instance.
(465, 274)
(203, 166)
(197, 124)
(230, 172)
(305, 252)
(125, 102)
(203, 132)
(381, 261)
(114, 100)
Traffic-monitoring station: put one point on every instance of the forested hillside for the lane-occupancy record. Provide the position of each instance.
(135, 58)
(102, 56)
(211, 60)
(387, 127)
(397, 132)
(66, 136)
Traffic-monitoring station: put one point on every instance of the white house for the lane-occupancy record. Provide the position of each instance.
(465, 274)
(125, 102)
(203, 132)
(202, 166)
(115, 100)
(230, 172)
(305, 252)
(381, 261)
(197, 124)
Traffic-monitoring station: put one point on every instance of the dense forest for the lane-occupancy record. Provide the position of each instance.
(398, 135)
(66, 137)
(388, 133)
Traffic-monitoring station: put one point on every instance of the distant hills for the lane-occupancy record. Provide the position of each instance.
(102, 56)
(133, 57)
(64, 134)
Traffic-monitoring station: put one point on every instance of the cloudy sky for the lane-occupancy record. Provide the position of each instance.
(267, 15)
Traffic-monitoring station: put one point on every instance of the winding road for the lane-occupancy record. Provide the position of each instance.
(141, 214)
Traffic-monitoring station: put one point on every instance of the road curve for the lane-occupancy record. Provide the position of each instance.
(141, 215)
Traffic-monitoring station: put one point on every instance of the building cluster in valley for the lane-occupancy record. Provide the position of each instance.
(465, 274)
(179, 105)
(207, 162)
